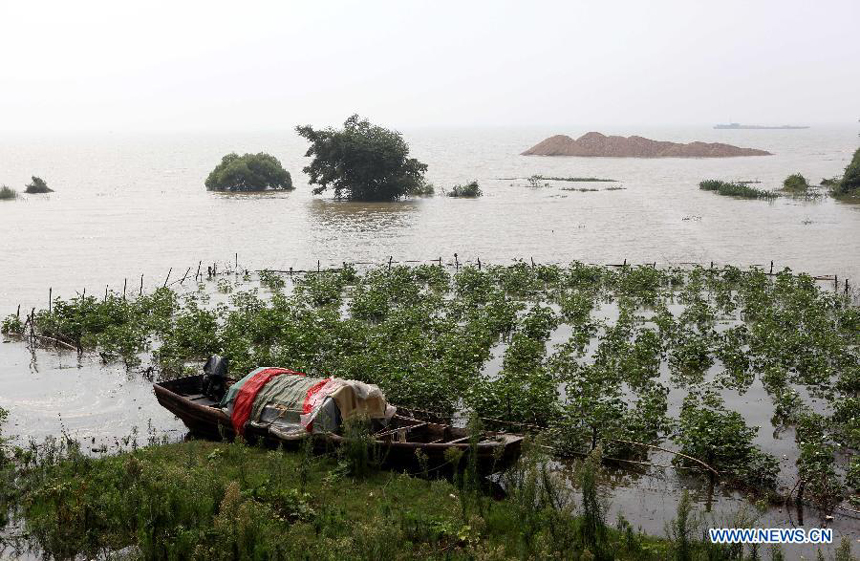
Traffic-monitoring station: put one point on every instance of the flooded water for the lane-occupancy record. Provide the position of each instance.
(132, 205)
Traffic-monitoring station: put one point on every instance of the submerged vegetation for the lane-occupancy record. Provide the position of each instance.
(7, 193)
(469, 191)
(37, 185)
(585, 355)
(736, 189)
(250, 172)
(795, 183)
(577, 179)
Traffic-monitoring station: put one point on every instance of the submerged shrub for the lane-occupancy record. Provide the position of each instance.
(795, 182)
(249, 172)
(469, 190)
(38, 185)
(7, 193)
(730, 189)
(12, 325)
(722, 440)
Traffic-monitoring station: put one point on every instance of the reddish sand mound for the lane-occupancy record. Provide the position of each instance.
(594, 144)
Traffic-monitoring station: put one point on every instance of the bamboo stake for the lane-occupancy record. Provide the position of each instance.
(168, 277)
(50, 292)
(141, 285)
(124, 284)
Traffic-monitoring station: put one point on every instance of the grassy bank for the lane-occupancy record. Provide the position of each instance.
(207, 500)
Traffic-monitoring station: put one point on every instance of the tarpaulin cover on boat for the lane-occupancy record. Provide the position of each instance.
(285, 400)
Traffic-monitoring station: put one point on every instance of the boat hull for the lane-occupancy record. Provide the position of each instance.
(495, 451)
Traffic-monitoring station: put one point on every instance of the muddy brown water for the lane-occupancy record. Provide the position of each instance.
(126, 205)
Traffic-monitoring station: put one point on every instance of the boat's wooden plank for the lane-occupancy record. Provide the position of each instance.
(398, 429)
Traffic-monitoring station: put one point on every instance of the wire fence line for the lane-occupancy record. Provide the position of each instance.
(234, 267)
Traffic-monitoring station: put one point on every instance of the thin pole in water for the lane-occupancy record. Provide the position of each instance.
(141, 285)
(390, 259)
(456, 262)
(50, 293)
(771, 267)
(124, 284)
(197, 274)
(479, 263)
(168, 277)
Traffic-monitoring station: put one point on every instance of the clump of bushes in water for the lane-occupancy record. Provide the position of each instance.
(795, 182)
(250, 172)
(722, 439)
(37, 185)
(730, 189)
(7, 193)
(470, 190)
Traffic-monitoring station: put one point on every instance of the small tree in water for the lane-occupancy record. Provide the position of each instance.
(362, 162)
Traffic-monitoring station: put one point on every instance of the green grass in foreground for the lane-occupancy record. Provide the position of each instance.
(731, 189)
(207, 500)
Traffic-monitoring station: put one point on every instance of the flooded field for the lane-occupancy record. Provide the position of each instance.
(131, 206)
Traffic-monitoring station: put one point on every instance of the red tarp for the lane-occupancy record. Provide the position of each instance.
(245, 398)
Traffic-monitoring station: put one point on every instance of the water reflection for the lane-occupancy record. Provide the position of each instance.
(362, 217)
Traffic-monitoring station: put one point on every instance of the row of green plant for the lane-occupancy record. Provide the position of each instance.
(218, 500)
(631, 334)
(732, 189)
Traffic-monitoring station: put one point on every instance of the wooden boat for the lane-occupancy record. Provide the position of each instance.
(398, 441)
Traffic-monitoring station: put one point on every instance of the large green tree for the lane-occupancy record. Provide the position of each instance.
(251, 172)
(362, 162)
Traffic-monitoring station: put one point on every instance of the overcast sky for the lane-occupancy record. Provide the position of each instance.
(247, 65)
